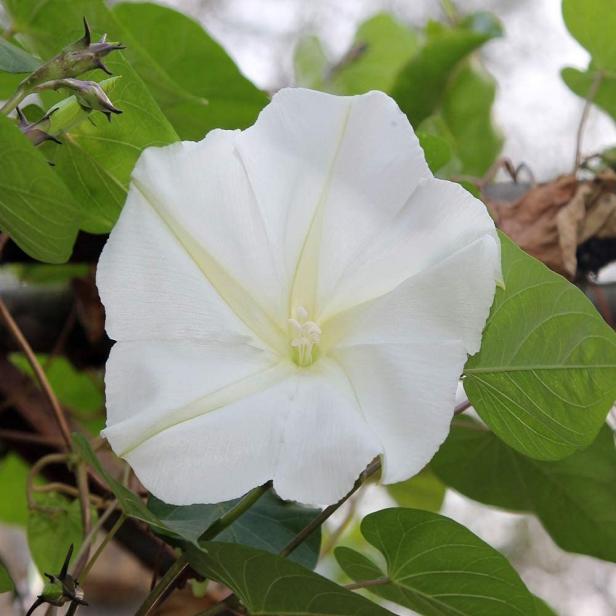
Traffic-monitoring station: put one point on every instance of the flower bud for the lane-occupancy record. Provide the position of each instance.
(73, 60)
(89, 94)
(33, 130)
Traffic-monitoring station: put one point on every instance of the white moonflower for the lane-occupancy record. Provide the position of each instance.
(289, 302)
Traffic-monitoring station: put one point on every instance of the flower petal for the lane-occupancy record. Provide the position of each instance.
(328, 172)
(439, 219)
(152, 288)
(253, 421)
(327, 442)
(198, 422)
(449, 301)
(407, 394)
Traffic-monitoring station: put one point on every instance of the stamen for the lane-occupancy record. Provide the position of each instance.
(305, 335)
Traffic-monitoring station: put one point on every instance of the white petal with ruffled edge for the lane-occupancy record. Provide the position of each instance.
(449, 301)
(407, 394)
(328, 172)
(253, 420)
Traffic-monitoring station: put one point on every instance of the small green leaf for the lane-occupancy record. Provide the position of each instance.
(131, 504)
(13, 59)
(467, 111)
(424, 491)
(545, 377)
(582, 83)
(382, 46)
(420, 85)
(593, 23)
(191, 77)
(436, 567)
(269, 585)
(574, 498)
(13, 504)
(6, 581)
(52, 529)
(36, 208)
(268, 525)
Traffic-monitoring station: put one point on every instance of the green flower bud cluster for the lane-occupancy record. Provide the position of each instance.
(61, 589)
(77, 58)
(60, 72)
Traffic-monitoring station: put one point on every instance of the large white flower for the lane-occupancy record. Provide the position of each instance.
(289, 302)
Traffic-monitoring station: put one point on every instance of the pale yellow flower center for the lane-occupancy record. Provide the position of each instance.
(305, 336)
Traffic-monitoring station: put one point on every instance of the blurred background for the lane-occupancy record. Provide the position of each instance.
(538, 117)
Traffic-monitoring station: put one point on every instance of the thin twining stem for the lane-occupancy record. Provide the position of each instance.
(318, 520)
(38, 371)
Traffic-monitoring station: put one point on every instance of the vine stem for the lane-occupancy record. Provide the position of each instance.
(181, 564)
(318, 520)
(460, 408)
(108, 537)
(38, 371)
(13, 101)
(82, 555)
(590, 97)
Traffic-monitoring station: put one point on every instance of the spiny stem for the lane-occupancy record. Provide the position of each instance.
(38, 371)
(181, 564)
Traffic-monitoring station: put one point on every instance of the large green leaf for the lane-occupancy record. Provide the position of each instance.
(467, 110)
(420, 85)
(52, 528)
(194, 81)
(268, 525)
(269, 585)
(36, 208)
(13, 59)
(436, 567)
(574, 498)
(545, 376)
(383, 46)
(6, 582)
(583, 83)
(593, 23)
(96, 161)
